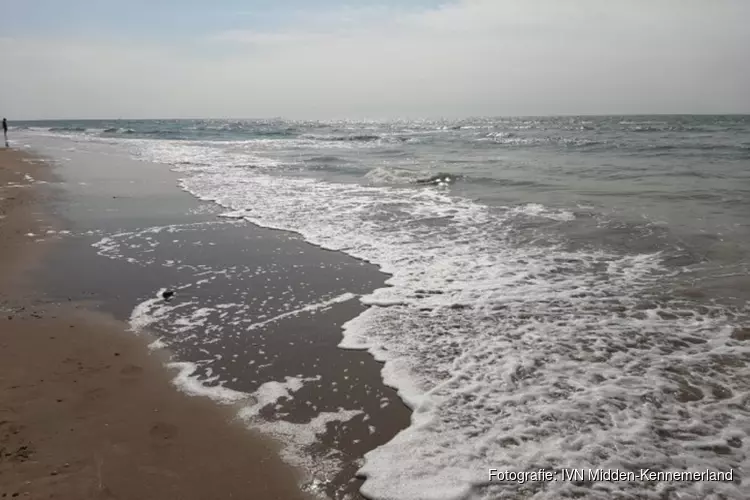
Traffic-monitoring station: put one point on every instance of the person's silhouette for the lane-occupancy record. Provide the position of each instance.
(5, 131)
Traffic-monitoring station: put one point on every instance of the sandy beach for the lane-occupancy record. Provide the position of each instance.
(85, 410)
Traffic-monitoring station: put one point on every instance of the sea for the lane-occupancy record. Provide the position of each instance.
(563, 292)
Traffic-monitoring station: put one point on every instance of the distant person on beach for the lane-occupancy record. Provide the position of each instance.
(5, 131)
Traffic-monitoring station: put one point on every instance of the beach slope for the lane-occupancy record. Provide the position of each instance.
(85, 410)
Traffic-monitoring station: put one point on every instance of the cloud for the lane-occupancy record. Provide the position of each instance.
(473, 57)
(251, 37)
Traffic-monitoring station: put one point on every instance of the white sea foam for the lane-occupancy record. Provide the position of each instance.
(187, 383)
(198, 156)
(309, 308)
(538, 210)
(150, 311)
(400, 176)
(189, 323)
(387, 175)
(157, 345)
(297, 439)
(143, 242)
(273, 391)
(514, 355)
(185, 320)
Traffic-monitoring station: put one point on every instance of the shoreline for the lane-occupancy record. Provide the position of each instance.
(86, 411)
(132, 231)
(257, 310)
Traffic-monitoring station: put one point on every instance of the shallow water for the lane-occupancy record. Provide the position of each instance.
(564, 292)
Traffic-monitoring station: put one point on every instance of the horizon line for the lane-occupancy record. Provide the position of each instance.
(395, 118)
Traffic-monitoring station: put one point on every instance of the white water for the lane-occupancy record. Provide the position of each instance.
(512, 355)
(296, 438)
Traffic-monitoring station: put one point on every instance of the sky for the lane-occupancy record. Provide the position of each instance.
(327, 59)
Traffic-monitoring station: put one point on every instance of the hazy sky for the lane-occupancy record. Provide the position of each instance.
(371, 59)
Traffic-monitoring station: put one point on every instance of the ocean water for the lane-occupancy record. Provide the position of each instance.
(566, 292)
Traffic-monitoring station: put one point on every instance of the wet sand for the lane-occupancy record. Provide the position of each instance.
(161, 237)
(85, 410)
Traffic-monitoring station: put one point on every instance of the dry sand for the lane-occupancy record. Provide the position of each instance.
(86, 411)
